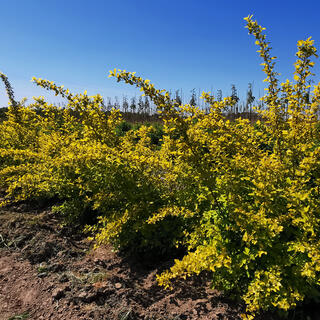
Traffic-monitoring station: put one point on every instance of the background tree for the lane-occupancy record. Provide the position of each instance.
(109, 104)
(178, 98)
(147, 105)
(140, 105)
(116, 103)
(125, 104)
(133, 105)
(219, 95)
(234, 96)
(250, 97)
(193, 99)
(234, 93)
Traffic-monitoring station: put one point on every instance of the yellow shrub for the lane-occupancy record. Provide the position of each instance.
(249, 194)
(241, 199)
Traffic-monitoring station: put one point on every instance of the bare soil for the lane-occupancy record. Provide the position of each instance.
(48, 271)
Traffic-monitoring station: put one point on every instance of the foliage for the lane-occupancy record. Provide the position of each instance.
(123, 127)
(155, 133)
(3, 112)
(248, 195)
(24, 315)
(241, 199)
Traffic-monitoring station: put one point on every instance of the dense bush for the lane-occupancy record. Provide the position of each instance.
(123, 127)
(242, 199)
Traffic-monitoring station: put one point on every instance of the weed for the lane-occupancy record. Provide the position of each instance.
(24, 315)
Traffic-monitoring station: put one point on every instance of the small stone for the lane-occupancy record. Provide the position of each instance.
(87, 287)
(63, 278)
(86, 297)
(82, 295)
(58, 293)
(57, 267)
(42, 274)
(60, 254)
(67, 288)
(118, 285)
(99, 262)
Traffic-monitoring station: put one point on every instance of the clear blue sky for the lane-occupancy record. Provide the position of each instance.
(176, 44)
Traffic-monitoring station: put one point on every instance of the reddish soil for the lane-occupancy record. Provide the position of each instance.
(50, 272)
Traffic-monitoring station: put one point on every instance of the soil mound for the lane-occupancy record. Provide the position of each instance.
(48, 271)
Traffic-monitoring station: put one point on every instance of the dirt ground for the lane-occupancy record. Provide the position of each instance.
(50, 272)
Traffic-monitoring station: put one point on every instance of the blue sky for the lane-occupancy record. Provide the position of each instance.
(176, 44)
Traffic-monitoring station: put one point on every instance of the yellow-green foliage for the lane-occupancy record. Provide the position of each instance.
(242, 199)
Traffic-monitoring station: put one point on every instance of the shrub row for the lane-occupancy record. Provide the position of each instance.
(241, 199)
